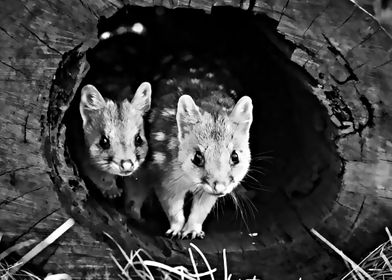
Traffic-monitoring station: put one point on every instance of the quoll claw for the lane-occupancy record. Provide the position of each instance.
(173, 233)
(193, 234)
(113, 193)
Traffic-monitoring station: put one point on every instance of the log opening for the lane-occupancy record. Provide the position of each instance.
(291, 126)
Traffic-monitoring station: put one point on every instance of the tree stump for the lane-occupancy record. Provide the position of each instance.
(319, 74)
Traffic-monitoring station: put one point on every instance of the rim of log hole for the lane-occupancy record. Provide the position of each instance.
(293, 135)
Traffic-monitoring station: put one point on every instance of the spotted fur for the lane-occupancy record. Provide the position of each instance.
(196, 113)
(214, 132)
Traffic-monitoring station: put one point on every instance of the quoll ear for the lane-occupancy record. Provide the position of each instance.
(242, 114)
(91, 100)
(188, 114)
(142, 99)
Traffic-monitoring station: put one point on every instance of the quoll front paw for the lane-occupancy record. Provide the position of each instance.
(107, 185)
(174, 230)
(192, 231)
(112, 192)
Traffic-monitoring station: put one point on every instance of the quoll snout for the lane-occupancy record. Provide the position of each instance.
(219, 187)
(126, 165)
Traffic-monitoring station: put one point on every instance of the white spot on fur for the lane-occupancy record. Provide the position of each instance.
(172, 143)
(195, 81)
(105, 35)
(157, 77)
(121, 30)
(167, 59)
(187, 57)
(160, 136)
(167, 112)
(159, 158)
(170, 82)
(151, 118)
(137, 28)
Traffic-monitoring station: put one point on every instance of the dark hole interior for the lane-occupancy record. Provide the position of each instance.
(295, 169)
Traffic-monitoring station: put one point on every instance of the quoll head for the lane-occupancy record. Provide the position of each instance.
(114, 132)
(214, 147)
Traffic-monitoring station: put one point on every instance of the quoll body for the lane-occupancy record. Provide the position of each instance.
(199, 143)
(114, 138)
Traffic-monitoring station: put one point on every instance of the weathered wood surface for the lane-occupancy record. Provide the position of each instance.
(337, 44)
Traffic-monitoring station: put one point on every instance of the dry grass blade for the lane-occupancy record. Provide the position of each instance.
(144, 268)
(193, 263)
(368, 257)
(384, 257)
(32, 276)
(389, 234)
(147, 270)
(16, 247)
(376, 265)
(355, 267)
(9, 271)
(168, 268)
(204, 259)
(44, 243)
(227, 277)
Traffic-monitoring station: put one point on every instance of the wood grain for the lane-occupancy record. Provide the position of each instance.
(335, 43)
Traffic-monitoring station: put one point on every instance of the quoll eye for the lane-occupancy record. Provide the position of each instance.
(138, 140)
(104, 142)
(234, 158)
(198, 159)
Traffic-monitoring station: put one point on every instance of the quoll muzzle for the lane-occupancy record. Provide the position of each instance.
(126, 165)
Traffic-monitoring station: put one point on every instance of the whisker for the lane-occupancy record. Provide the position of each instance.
(264, 153)
(242, 211)
(258, 186)
(234, 199)
(197, 191)
(256, 170)
(219, 208)
(174, 180)
(257, 166)
(253, 178)
(262, 159)
(251, 206)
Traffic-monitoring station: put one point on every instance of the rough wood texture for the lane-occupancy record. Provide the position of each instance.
(335, 42)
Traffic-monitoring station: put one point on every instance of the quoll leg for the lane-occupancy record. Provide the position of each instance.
(104, 181)
(201, 207)
(136, 193)
(173, 205)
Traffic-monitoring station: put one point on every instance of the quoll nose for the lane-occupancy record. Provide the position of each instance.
(126, 165)
(219, 187)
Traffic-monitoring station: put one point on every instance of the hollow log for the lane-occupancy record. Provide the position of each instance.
(339, 58)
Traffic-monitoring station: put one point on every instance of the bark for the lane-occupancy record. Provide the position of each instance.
(341, 50)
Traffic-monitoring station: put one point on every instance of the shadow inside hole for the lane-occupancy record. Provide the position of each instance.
(294, 174)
